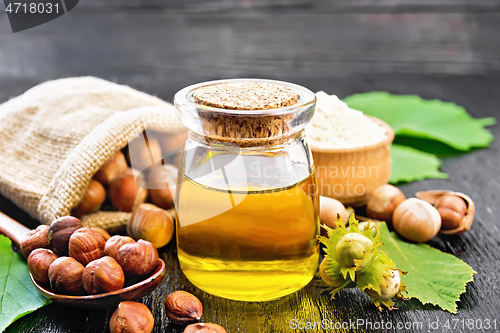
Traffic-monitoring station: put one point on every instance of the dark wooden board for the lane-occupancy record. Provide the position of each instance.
(444, 49)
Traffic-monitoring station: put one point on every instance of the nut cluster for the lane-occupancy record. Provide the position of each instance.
(94, 265)
(130, 189)
(118, 178)
(417, 219)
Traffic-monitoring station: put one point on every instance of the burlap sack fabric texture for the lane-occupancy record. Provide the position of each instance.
(57, 135)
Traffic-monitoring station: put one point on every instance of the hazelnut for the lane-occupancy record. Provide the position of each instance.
(416, 220)
(92, 200)
(39, 262)
(137, 259)
(114, 167)
(124, 192)
(332, 280)
(103, 275)
(60, 231)
(391, 288)
(101, 232)
(144, 151)
(450, 206)
(183, 308)
(131, 317)
(151, 223)
(65, 276)
(159, 180)
(34, 239)
(114, 243)
(86, 245)
(452, 210)
(351, 249)
(330, 209)
(204, 328)
(383, 201)
(172, 142)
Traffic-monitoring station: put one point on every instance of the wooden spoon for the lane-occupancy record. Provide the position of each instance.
(16, 232)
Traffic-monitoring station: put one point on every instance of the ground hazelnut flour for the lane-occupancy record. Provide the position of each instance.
(336, 126)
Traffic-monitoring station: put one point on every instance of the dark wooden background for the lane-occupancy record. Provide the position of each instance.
(446, 49)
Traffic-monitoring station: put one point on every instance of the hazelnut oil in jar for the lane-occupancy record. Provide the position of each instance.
(247, 204)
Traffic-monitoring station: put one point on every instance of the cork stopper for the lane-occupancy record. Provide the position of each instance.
(246, 96)
(260, 126)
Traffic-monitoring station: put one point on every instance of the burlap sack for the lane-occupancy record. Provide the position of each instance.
(55, 136)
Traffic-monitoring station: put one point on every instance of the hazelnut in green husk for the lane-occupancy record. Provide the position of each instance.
(329, 270)
(352, 249)
(388, 291)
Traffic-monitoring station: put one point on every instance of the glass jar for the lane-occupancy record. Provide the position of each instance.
(247, 202)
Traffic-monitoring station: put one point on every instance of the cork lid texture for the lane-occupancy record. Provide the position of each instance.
(246, 130)
(246, 96)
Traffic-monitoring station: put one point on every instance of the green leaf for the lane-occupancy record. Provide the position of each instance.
(411, 115)
(409, 164)
(433, 276)
(18, 296)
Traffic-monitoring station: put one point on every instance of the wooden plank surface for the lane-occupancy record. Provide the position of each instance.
(444, 49)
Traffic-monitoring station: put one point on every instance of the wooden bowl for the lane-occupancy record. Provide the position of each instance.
(350, 175)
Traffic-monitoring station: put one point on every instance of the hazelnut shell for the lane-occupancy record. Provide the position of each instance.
(151, 223)
(416, 220)
(468, 218)
(435, 197)
(330, 209)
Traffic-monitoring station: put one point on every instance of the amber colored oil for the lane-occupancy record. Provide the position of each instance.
(250, 245)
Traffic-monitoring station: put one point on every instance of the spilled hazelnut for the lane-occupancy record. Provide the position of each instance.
(131, 317)
(456, 209)
(384, 201)
(330, 209)
(125, 193)
(160, 178)
(151, 223)
(183, 307)
(91, 201)
(204, 328)
(144, 151)
(452, 210)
